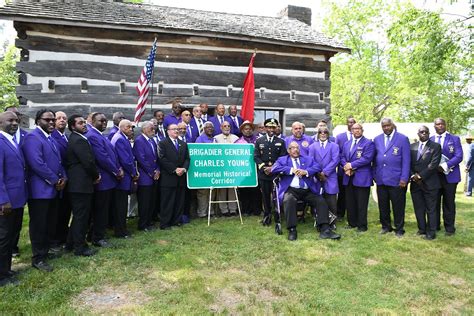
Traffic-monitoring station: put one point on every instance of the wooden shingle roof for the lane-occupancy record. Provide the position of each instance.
(168, 19)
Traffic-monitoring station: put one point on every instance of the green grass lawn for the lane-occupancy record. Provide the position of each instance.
(231, 268)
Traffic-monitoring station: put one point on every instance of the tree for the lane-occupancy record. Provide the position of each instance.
(405, 63)
(8, 78)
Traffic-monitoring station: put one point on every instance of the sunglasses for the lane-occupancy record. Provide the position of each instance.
(48, 119)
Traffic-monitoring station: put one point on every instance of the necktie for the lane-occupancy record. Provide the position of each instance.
(200, 126)
(162, 132)
(322, 144)
(420, 150)
(14, 141)
(439, 140)
(189, 131)
(301, 181)
(52, 143)
(221, 119)
(235, 121)
(64, 137)
(387, 140)
(152, 145)
(353, 147)
(176, 144)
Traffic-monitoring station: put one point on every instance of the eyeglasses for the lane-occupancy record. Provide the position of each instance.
(48, 119)
(323, 132)
(172, 129)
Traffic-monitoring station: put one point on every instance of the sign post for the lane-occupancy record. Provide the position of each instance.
(215, 166)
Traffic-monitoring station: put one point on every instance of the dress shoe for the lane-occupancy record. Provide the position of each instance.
(449, 234)
(9, 280)
(329, 234)
(102, 243)
(185, 219)
(43, 266)
(278, 230)
(292, 234)
(349, 227)
(267, 220)
(384, 231)
(165, 227)
(430, 237)
(420, 233)
(12, 273)
(88, 252)
(399, 234)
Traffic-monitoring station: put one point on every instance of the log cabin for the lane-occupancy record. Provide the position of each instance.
(83, 56)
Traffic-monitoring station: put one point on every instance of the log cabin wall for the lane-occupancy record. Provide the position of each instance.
(80, 69)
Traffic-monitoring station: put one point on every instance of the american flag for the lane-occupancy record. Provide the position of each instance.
(143, 86)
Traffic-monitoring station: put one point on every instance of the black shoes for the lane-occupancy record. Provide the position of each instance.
(385, 231)
(278, 230)
(267, 220)
(449, 234)
(329, 234)
(349, 227)
(9, 280)
(87, 252)
(42, 266)
(102, 243)
(430, 236)
(420, 233)
(292, 234)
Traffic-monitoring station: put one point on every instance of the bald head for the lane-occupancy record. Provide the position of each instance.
(9, 122)
(61, 121)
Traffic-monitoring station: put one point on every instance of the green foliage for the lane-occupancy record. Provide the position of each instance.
(405, 63)
(8, 78)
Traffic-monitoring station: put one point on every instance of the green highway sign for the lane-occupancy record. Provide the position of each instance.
(221, 166)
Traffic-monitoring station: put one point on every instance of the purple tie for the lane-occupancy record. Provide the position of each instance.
(301, 181)
(420, 150)
(152, 144)
(176, 144)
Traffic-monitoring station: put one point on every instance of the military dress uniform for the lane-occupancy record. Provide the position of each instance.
(267, 151)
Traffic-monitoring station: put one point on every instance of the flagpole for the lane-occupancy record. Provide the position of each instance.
(242, 88)
(152, 77)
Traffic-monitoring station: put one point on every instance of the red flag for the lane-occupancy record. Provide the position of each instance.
(248, 100)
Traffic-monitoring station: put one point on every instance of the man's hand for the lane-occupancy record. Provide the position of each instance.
(267, 170)
(322, 177)
(156, 175)
(120, 174)
(60, 184)
(6, 209)
(180, 171)
(96, 181)
(135, 178)
(416, 178)
(347, 166)
(402, 184)
(301, 173)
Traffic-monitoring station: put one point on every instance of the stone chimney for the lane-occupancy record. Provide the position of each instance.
(302, 14)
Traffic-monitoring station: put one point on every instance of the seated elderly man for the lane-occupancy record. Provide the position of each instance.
(298, 184)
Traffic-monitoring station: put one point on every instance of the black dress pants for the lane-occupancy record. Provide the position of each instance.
(43, 217)
(266, 187)
(290, 200)
(120, 215)
(446, 197)
(341, 198)
(62, 223)
(171, 206)
(424, 203)
(249, 201)
(81, 205)
(8, 233)
(146, 196)
(357, 202)
(397, 197)
(19, 224)
(100, 213)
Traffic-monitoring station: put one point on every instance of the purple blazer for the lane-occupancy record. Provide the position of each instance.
(195, 129)
(105, 159)
(170, 119)
(112, 132)
(283, 167)
(235, 129)
(123, 149)
(304, 142)
(204, 139)
(361, 160)
(23, 134)
(453, 150)
(44, 165)
(328, 158)
(13, 187)
(147, 160)
(392, 164)
(62, 145)
(341, 139)
(217, 124)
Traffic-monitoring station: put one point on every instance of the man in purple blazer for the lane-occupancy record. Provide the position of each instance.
(13, 194)
(197, 123)
(19, 137)
(116, 118)
(64, 208)
(46, 179)
(111, 173)
(391, 174)
(322, 124)
(160, 130)
(219, 118)
(123, 149)
(297, 184)
(356, 160)
(174, 117)
(186, 120)
(304, 141)
(326, 155)
(449, 175)
(341, 139)
(146, 154)
(235, 120)
(205, 109)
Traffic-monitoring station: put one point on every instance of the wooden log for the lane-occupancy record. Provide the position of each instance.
(175, 55)
(115, 72)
